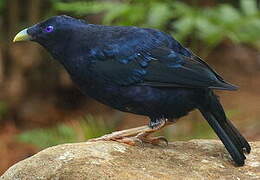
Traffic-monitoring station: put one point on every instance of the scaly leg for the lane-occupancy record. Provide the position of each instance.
(137, 135)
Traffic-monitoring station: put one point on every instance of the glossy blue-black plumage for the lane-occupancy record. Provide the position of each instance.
(140, 70)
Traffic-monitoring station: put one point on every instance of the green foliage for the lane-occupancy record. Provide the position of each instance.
(49, 137)
(95, 127)
(209, 25)
(116, 12)
(87, 128)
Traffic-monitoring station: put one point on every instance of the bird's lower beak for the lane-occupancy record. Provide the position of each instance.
(22, 36)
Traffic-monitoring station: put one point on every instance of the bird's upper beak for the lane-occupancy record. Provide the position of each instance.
(22, 36)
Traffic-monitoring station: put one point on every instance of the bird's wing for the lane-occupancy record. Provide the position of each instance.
(174, 45)
(159, 67)
(152, 58)
(170, 69)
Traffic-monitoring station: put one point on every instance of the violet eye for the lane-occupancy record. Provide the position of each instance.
(48, 29)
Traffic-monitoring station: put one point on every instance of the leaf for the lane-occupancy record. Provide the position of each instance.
(208, 31)
(249, 31)
(228, 14)
(249, 7)
(184, 27)
(158, 15)
(114, 12)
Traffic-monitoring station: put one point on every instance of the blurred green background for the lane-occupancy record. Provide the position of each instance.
(40, 107)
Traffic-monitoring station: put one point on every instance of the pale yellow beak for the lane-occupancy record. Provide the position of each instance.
(22, 36)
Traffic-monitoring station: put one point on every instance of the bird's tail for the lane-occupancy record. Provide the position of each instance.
(234, 142)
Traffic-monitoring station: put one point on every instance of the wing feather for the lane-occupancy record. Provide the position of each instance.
(157, 65)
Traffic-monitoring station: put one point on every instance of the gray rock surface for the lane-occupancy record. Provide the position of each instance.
(196, 159)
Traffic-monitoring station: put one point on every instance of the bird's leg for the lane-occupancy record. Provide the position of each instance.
(155, 125)
(138, 135)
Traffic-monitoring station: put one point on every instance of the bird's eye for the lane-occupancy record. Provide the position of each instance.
(48, 29)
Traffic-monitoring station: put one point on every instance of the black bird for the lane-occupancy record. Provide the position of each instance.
(139, 70)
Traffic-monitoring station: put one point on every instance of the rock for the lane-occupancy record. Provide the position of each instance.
(195, 159)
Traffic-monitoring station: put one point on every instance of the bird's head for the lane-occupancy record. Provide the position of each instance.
(53, 33)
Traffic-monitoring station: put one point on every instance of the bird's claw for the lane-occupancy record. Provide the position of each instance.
(133, 141)
(159, 140)
(135, 136)
(154, 140)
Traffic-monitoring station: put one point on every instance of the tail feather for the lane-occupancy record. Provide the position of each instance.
(228, 141)
(243, 141)
(218, 112)
(234, 142)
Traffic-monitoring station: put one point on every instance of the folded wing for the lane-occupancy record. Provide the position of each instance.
(164, 63)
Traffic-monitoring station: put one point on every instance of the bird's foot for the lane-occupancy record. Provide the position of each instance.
(137, 135)
(146, 138)
(128, 136)
(126, 140)
(139, 139)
